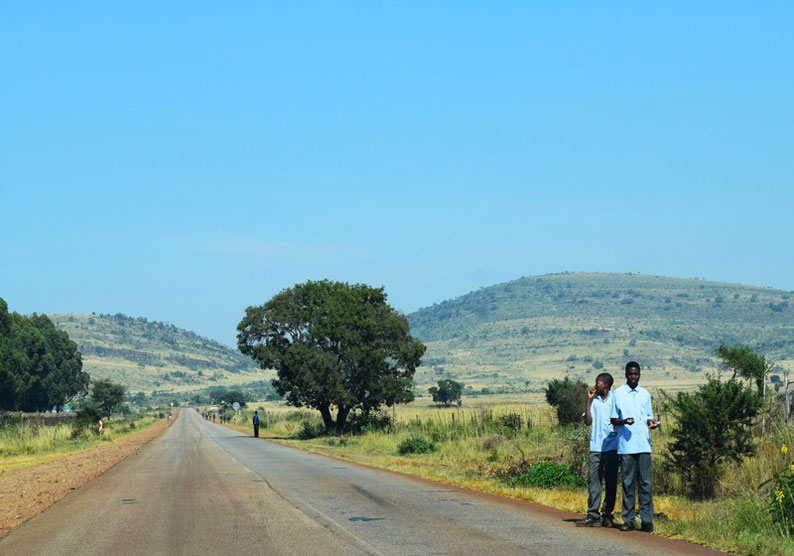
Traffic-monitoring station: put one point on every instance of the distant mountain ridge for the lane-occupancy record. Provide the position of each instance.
(517, 334)
(148, 355)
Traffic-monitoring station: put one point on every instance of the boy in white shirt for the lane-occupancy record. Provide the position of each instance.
(603, 461)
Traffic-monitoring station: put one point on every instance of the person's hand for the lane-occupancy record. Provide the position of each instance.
(653, 423)
(629, 420)
(590, 393)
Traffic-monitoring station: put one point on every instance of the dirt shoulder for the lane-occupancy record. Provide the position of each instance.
(27, 491)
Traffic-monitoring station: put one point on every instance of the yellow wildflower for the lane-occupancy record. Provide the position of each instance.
(792, 468)
(784, 448)
(779, 495)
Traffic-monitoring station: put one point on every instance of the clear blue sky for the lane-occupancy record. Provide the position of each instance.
(181, 161)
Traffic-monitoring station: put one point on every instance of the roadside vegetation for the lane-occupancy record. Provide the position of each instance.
(523, 452)
(25, 442)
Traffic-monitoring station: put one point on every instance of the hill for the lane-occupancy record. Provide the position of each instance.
(515, 336)
(150, 356)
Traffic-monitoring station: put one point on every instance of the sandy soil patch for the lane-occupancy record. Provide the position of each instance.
(27, 491)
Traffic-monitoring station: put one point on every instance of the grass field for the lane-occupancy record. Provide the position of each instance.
(473, 450)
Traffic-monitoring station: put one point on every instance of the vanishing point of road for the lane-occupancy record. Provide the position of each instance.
(202, 488)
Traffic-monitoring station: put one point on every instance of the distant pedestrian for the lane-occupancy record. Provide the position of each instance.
(256, 424)
(603, 460)
(632, 414)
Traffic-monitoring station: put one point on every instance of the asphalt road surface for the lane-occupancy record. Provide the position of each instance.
(204, 489)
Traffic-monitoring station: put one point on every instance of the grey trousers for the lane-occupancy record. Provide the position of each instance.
(637, 472)
(602, 466)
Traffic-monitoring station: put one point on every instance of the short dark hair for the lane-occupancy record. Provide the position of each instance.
(606, 378)
(632, 365)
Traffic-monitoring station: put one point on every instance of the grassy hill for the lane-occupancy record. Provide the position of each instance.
(515, 336)
(150, 356)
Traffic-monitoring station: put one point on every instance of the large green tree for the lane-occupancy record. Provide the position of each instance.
(40, 367)
(333, 346)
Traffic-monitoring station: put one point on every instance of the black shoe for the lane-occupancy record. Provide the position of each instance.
(647, 528)
(627, 527)
(606, 521)
(589, 522)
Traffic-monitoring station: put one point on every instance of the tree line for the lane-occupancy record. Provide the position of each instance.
(40, 367)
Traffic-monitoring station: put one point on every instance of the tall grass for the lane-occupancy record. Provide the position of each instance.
(23, 443)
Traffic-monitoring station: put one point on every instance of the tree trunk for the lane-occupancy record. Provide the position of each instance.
(328, 421)
(341, 417)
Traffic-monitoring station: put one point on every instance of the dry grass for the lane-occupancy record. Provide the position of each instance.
(22, 445)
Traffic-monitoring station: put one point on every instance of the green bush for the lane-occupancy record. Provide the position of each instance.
(547, 474)
(87, 419)
(512, 421)
(416, 444)
(569, 398)
(712, 426)
(311, 429)
(366, 422)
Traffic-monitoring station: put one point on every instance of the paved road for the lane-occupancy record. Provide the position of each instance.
(204, 489)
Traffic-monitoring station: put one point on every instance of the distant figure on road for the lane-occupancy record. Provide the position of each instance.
(603, 461)
(256, 424)
(633, 416)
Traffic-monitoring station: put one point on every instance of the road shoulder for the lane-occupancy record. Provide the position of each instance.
(26, 492)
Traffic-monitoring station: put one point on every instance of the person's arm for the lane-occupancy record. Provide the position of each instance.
(615, 416)
(588, 418)
(652, 423)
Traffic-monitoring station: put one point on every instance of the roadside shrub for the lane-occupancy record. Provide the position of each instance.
(86, 419)
(438, 435)
(311, 429)
(359, 423)
(546, 474)
(713, 426)
(569, 398)
(415, 444)
(512, 421)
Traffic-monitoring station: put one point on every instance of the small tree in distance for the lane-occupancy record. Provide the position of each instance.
(231, 396)
(745, 363)
(447, 392)
(569, 398)
(108, 395)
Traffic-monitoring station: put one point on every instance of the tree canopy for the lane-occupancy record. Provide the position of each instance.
(108, 395)
(40, 367)
(447, 392)
(745, 363)
(333, 345)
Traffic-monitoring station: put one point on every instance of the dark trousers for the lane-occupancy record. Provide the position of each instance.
(637, 473)
(256, 430)
(602, 467)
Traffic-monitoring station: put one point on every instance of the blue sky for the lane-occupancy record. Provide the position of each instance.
(182, 161)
